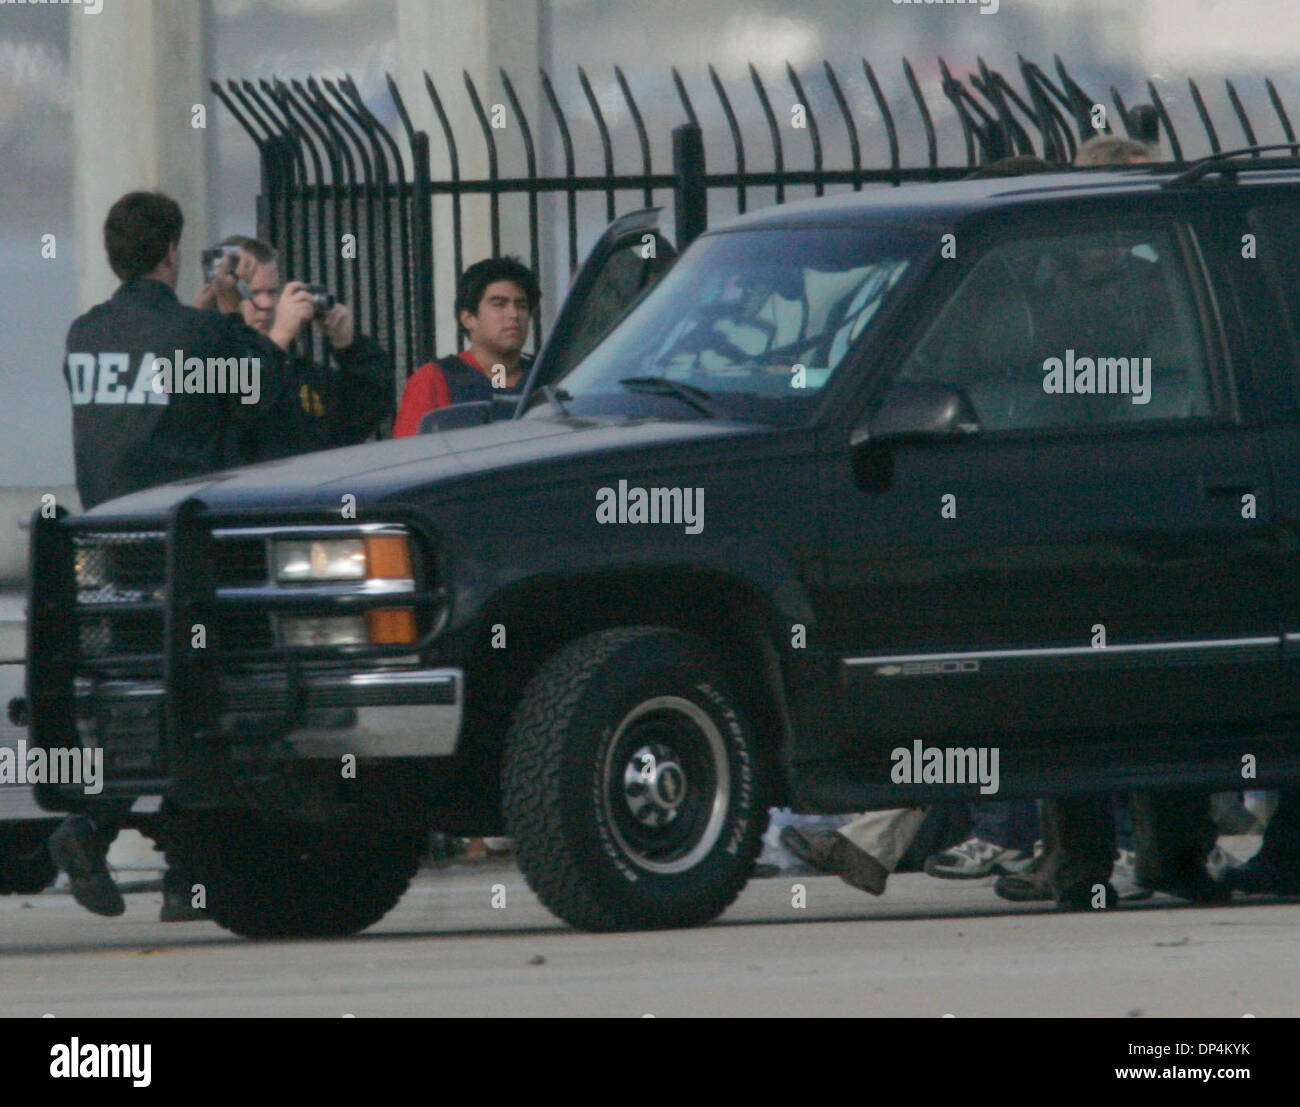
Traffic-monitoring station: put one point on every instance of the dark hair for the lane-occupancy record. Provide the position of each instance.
(138, 231)
(475, 280)
(261, 252)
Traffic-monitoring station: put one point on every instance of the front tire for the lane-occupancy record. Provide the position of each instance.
(632, 783)
(265, 879)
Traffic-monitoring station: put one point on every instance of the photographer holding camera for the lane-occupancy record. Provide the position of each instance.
(324, 406)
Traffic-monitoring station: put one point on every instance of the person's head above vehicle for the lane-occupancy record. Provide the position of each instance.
(1112, 150)
(495, 300)
(142, 236)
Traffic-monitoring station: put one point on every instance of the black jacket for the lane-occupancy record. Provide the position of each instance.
(137, 421)
(322, 407)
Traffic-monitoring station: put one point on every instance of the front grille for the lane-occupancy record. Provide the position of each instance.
(119, 568)
(238, 631)
(241, 562)
(127, 569)
(125, 634)
(122, 595)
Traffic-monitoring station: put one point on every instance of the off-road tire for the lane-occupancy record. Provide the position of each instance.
(272, 879)
(576, 724)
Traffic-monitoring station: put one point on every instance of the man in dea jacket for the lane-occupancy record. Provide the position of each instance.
(159, 391)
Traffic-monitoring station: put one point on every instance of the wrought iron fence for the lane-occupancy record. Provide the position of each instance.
(330, 167)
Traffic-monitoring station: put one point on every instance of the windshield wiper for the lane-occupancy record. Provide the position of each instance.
(689, 394)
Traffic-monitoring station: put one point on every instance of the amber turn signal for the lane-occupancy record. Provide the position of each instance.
(388, 626)
(388, 557)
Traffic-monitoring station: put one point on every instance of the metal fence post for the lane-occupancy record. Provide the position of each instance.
(422, 255)
(690, 193)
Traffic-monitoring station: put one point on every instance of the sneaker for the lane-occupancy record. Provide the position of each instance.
(1123, 878)
(829, 851)
(79, 851)
(1026, 887)
(1031, 884)
(975, 858)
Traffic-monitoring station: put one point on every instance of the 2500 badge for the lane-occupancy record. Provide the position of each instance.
(929, 668)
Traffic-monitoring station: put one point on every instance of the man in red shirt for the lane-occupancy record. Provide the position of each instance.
(495, 300)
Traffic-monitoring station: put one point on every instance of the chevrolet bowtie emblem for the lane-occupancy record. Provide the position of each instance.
(889, 670)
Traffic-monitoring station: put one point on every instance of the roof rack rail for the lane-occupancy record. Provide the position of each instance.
(1227, 160)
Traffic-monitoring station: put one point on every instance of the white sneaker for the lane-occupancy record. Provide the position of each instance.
(1123, 877)
(975, 858)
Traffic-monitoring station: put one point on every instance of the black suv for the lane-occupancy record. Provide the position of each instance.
(1004, 468)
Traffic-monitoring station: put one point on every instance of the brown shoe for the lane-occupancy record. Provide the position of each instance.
(1030, 886)
(831, 852)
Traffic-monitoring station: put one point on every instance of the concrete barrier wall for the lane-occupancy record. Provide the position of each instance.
(16, 507)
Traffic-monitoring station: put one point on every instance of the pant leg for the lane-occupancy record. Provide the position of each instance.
(1124, 838)
(108, 815)
(1010, 824)
(1079, 836)
(1282, 835)
(1174, 834)
(885, 834)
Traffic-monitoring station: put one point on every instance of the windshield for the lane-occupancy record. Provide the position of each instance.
(748, 325)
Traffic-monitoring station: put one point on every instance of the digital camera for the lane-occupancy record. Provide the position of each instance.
(322, 299)
(210, 259)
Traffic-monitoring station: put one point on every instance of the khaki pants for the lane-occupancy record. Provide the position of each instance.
(885, 834)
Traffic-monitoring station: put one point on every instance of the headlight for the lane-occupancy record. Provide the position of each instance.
(329, 630)
(366, 558)
(376, 557)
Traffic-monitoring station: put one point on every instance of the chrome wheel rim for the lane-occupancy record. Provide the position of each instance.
(665, 784)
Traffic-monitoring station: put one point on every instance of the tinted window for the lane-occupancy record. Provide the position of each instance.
(626, 274)
(1072, 330)
(758, 321)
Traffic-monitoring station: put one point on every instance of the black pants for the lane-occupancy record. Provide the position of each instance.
(1174, 834)
(1078, 840)
(1281, 846)
(1172, 830)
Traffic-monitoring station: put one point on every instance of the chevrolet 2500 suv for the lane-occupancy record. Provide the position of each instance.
(1005, 466)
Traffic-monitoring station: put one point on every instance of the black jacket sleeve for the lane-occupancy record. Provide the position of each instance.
(365, 392)
(241, 340)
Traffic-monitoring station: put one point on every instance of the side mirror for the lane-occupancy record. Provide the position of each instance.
(919, 413)
(472, 414)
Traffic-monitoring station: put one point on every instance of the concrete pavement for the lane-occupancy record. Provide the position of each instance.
(927, 948)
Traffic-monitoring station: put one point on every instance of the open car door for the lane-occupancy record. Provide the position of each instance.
(630, 257)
